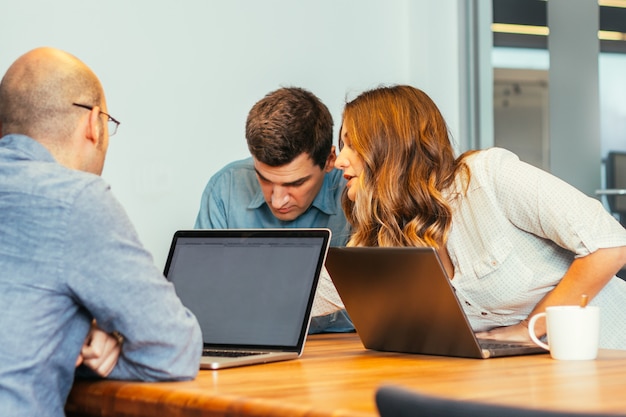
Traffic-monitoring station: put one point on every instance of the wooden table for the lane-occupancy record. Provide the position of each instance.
(336, 376)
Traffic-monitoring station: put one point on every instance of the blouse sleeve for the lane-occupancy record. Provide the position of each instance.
(542, 204)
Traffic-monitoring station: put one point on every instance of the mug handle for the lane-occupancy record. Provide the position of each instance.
(531, 330)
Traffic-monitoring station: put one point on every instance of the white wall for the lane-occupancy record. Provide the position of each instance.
(182, 75)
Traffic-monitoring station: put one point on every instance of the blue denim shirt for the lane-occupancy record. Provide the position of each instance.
(233, 199)
(68, 253)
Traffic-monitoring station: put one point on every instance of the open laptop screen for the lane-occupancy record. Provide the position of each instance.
(248, 288)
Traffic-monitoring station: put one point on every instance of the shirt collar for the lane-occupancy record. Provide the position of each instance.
(27, 148)
(324, 201)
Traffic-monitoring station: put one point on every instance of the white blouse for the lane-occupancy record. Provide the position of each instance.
(513, 237)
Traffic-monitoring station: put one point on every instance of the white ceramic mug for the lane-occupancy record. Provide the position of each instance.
(573, 332)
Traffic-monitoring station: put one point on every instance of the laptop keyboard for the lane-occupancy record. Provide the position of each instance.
(229, 353)
(501, 345)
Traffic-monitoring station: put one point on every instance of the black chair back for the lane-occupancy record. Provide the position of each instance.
(394, 401)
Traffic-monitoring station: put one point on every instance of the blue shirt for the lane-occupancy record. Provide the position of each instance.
(68, 253)
(233, 200)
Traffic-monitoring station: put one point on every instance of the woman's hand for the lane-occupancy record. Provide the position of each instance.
(515, 333)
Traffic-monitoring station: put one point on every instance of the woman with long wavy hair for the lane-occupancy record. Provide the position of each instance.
(513, 238)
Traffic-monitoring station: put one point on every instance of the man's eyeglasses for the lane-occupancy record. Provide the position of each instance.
(113, 123)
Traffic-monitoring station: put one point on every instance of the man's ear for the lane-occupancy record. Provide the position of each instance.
(93, 129)
(330, 161)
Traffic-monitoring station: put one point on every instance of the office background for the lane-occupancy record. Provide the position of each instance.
(182, 75)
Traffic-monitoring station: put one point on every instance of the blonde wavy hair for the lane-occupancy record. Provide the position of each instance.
(408, 161)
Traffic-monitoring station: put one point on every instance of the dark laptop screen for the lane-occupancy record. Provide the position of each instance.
(247, 290)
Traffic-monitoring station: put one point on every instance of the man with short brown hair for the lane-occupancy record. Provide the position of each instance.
(290, 181)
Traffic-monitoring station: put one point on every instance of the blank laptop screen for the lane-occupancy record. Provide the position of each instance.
(246, 290)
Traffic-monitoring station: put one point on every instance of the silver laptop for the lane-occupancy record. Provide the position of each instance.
(401, 300)
(251, 290)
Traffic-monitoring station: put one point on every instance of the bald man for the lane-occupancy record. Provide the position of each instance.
(76, 285)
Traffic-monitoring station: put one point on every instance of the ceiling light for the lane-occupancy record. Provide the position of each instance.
(520, 29)
(603, 35)
(612, 3)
